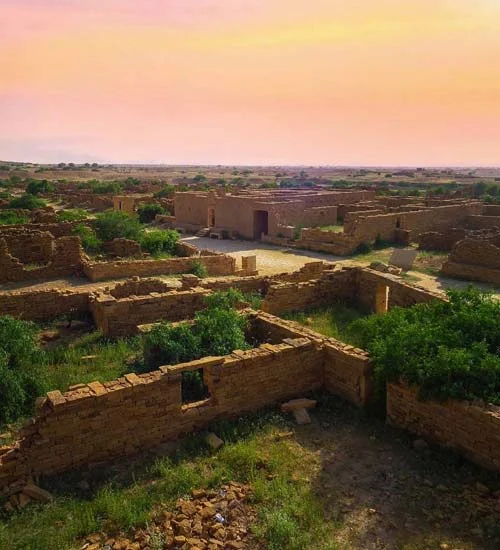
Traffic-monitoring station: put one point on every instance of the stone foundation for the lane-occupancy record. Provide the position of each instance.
(472, 430)
(97, 422)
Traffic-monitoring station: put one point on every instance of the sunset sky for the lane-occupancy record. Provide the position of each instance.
(351, 82)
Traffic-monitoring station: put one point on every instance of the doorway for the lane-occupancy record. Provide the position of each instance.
(260, 223)
(211, 217)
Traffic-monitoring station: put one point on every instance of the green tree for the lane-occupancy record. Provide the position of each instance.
(36, 187)
(115, 224)
(148, 212)
(20, 381)
(27, 202)
(160, 242)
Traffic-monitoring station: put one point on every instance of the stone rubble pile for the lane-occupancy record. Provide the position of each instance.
(209, 520)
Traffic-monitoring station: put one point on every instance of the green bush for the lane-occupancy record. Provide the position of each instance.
(199, 269)
(217, 330)
(160, 242)
(105, 187)
(363, 248)
(10, 217)
(147, 212)
(448, 349)
(224, 300)
(20, 382)
(35, 187)
(90, 241)
(72, 215)
(167, 191)
(27, 202)
(168, 344)
(114, 224)
(220, 331)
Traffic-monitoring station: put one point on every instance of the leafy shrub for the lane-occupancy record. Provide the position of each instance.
(297, 232)
(10, 217)
(35, 187)
(147, 212)
(448, 349)
(220, 331)
(199, 269)
(363, 248)
(167, 191)
(90, 241)
(160, 242)
(105, 187)
(168, 344)
(217, 330)
(114, 224)
(27, 202)
(72, 215)
(20, 381)
(224, 300)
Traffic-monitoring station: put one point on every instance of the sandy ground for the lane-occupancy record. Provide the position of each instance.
(271, 259)
(274, 259)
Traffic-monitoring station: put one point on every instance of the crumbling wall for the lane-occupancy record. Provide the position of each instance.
(401, 294)
(472, 430)
(57, 229)
(73, 429)
(40, 305)
(435, 240)
(95, 422)
(122, 248)
(483, 222)
(475, 259)
(65, 258)
(121, 316)
(332, 287)
(29, 247)
(220, 264)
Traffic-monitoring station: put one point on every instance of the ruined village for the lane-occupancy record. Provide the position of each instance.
(165, 319)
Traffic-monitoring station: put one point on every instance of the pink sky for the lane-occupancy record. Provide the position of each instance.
(360, 82)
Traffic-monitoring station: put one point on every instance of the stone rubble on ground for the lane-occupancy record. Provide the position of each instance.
(209, 520)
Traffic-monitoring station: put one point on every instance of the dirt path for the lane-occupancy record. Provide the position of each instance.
(274, 259)
(388, 495)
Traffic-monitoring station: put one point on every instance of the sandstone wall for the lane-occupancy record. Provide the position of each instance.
(475, 259)
(483, 222)
(216, 265)
(368, 283)
(435, 240)
(65, 259)
(57, 229)
(43, 305)
(121, 317)
(473, 431)
(123, 248)
(98, 422)
(333, 287)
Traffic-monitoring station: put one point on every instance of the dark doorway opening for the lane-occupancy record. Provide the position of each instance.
(211, 217)
(260, 223)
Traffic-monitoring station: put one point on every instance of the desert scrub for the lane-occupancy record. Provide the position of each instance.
(148, 212)
(11, 217)
(217, 330)
(199, 269)
(160, 242)
(449, 349)
(21, 379)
